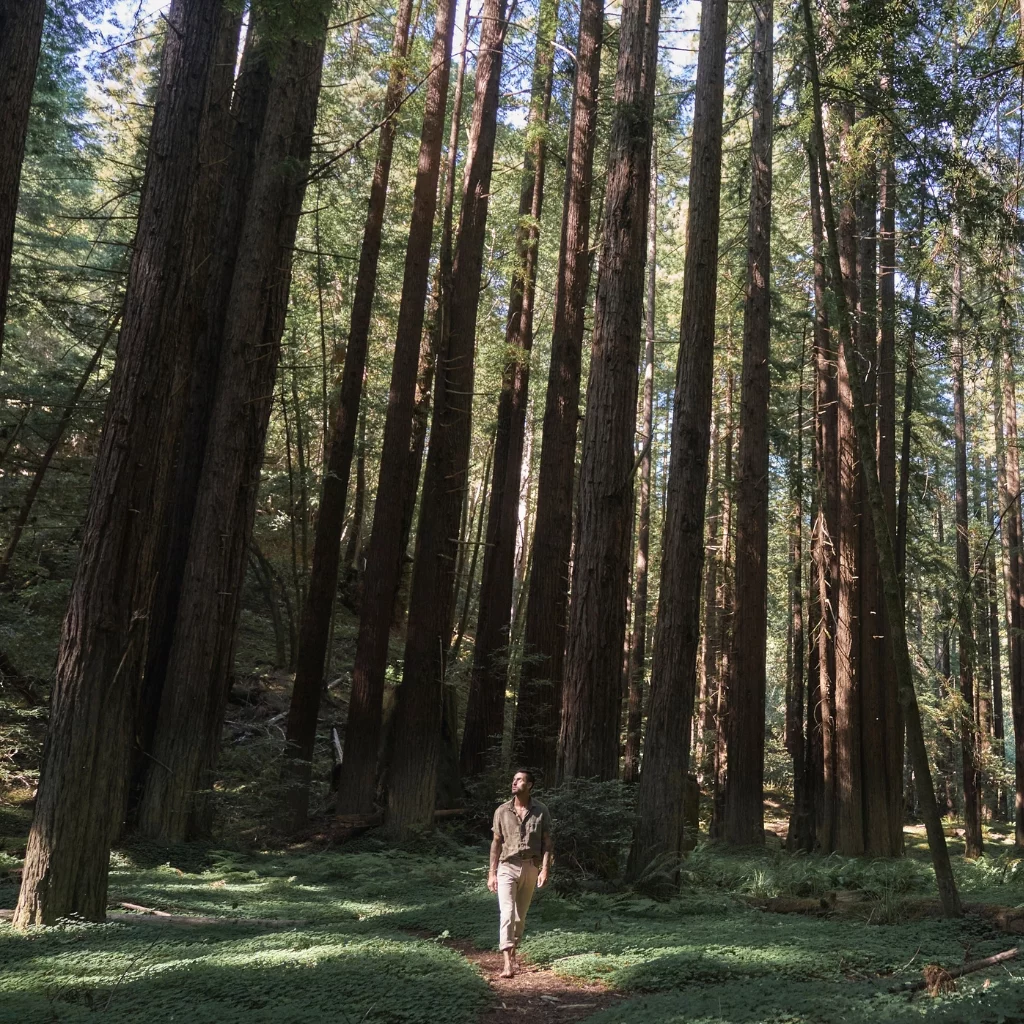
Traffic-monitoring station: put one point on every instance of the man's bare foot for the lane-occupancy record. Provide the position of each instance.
(510, 964)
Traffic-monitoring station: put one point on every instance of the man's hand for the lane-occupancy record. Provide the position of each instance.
(542, 878)
(492, 881)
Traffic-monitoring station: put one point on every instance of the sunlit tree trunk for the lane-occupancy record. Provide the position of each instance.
(638, 645)
(965, 610)
(886, 559)
(825, 537)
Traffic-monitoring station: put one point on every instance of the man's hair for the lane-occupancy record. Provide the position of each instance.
(528, 774)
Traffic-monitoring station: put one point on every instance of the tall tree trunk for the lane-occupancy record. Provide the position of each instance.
(965, 610)
(412, 775)
(712, 641)
(945, 881)
(540, 683)
(176, 802)
(82, 792)
(1010, 507)
(910, 372)
(440, 307)
(21, 32)
(886, 836)
(660, 828)
(744, 800)
(825, 540)
(358, 783)
(638, 647)
(247, 114)
(725, 607)
(28, 501)
(589, 734)
(354, 545)
(848, 827)
(801, 822)
(314, 627)
(485, 712)
(997, 743)
(477, 515)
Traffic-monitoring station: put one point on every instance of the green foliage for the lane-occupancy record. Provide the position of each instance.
(351, 944)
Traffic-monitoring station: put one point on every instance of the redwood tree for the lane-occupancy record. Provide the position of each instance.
(358, 783)
(175, 804)
(540, 680)
(412, 775)
(82, 791)
(744, 802)
(886, 559)
(638, 642)
(965, 603)
(485, 712)
(315, 623)
(589, 734)
(660, 828)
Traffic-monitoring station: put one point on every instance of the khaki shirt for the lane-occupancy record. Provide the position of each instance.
(525, 839)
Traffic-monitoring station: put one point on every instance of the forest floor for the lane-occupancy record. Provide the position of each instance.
(370, 932)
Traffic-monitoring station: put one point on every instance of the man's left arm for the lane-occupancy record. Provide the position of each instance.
(548, 850)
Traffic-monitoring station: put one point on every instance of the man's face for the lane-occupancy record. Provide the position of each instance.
(521, 785)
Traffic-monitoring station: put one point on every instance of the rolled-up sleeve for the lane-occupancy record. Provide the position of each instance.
(496, 824)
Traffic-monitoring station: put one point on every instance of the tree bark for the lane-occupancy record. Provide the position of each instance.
(314, 627)
(485, 712)
(440, 307)
(638, 647)
(82, 792)
(1009, 501)
(358, 783)
(945, 881)
(540, 683)
(242, 130)
(176, 801)
(412, 776)
(660, 828)
(825, 539)
(965, 609)
(744, 799)
(21, 33)
(589, 733)
(801, 821)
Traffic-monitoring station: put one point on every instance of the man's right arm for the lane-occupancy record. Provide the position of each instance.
(492, 874)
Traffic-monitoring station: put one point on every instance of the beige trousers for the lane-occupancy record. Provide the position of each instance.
(516, 881)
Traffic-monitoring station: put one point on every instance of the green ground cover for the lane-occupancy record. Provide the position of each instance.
(364, 951)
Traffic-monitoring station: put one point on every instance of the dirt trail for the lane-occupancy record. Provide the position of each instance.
(535, 992)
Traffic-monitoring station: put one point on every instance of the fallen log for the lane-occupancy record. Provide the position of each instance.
(937, 979)
(843, 904)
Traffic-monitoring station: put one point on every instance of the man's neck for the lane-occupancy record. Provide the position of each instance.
(518, 801)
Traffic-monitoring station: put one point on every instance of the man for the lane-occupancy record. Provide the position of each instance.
(522, 852)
